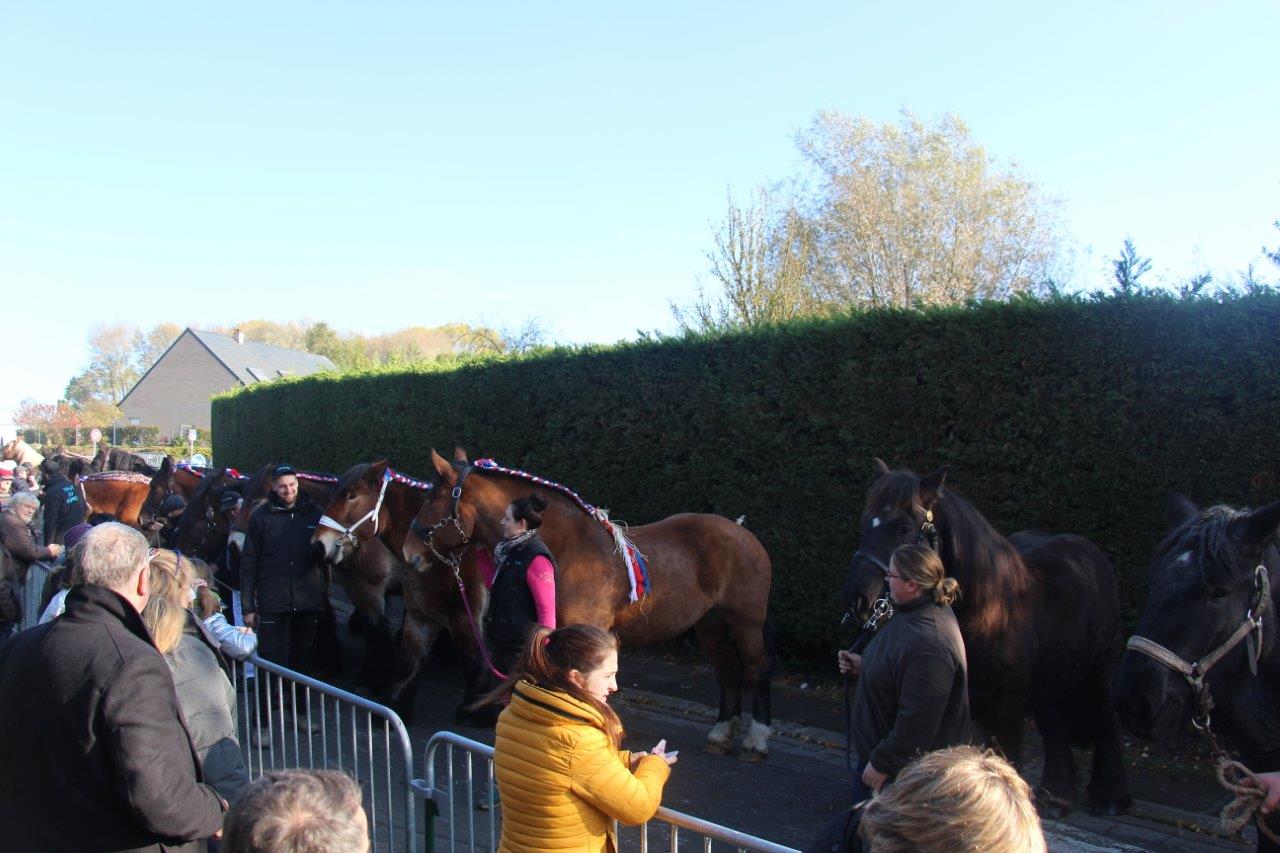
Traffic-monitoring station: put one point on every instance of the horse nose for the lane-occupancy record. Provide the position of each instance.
(860, 607)
(319, 551)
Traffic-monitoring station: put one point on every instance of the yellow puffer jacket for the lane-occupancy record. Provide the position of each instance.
(561, 781)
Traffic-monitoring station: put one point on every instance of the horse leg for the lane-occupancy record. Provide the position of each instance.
(1108, 781)
(712, 631)
(1057, 792)
(1002, 721)
(416, 637)
(753, 638)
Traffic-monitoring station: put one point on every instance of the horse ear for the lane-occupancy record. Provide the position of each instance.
(166, 464)
(931, 485)
(1180, 510)
(460, 455)
(878, 467)
(374, 472)
(1262, 526)
(443, 469)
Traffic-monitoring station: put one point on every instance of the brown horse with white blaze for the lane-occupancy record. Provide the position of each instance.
(706, 571)
(371, 509)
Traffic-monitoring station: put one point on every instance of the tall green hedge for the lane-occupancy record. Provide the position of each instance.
(1068, 415)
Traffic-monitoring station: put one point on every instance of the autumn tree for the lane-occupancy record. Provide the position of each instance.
(762, 265)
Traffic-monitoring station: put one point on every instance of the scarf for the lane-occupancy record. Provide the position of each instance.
(503, 548)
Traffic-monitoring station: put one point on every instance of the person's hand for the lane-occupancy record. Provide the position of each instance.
(244, 629)
(251, 620)
(873, 778)
(209, 603)
(1270, 783)
(849, 662)
(55, 549)
(660, 750)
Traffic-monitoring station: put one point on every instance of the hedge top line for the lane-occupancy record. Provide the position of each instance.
(856, 321)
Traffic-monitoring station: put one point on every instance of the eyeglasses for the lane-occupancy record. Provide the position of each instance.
(899, 577)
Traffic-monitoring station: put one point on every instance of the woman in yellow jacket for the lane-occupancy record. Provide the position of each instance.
(561, 773)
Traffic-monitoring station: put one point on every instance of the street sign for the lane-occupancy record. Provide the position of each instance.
(198, 461)
(95, 435)
(192, 434)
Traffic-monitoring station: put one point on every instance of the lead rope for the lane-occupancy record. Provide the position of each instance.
(475, 629)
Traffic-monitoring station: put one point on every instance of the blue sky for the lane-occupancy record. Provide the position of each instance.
(383, 164)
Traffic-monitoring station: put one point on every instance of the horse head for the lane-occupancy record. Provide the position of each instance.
(446, 522)
(899, 511)
(161, 487)
(1203, 586)
(203, 527)
(349, 514)
(255, 493)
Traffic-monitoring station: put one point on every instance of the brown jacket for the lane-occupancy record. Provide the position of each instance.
(20, 544)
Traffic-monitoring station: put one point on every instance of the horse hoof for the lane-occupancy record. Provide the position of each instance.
(716, 748)
(1111, 808)
(753, 756)
(1052, 809)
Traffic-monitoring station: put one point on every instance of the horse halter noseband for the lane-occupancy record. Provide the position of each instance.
(427, 534)
(1249, 628)
(348, 534)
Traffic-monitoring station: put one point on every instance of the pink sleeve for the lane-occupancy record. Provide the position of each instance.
(485, 564)
(542, 583)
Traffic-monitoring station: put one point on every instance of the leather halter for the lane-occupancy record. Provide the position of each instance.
(1194, 672)
(427, 534)
(349, 533)
(882, 607)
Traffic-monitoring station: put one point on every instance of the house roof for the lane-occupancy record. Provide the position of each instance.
(253, 361)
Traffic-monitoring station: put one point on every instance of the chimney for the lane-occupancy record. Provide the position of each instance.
(239, 336)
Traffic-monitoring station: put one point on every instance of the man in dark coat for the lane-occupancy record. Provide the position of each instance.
(93, 751)
(282, 586)
(63, 507)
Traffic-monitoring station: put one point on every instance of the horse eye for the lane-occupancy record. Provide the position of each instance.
(1218, 593)
(351, 496)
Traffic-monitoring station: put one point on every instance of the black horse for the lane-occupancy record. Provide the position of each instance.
(1204, 585)
(1040, 620)
(202, 529)
(114, 459)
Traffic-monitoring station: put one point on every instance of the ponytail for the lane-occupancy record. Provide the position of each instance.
(947, 591)
(549, 656)
(529, 509)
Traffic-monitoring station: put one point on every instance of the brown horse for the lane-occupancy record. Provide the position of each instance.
(373, 507)
(707, 573)
(202, 528)
(171, 479)
(120, 493)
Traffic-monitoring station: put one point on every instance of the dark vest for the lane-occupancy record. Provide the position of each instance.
(511, 606)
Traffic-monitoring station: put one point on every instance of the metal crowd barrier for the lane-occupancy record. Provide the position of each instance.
(32, 589)
(445, 792)
(288, 720)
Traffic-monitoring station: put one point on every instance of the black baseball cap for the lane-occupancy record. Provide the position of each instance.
(281, 470)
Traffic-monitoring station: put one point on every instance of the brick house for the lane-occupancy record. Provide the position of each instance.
(174, 394)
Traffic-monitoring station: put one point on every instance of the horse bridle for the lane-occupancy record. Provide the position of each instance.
(1250, 628)
(427, 534)
(882, 609)
(349, 533)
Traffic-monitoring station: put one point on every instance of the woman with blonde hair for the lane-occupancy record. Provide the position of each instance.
(961, 800)
(913, 693)
(200, 673)
(561, 772)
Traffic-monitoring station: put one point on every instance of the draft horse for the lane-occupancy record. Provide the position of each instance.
(371, 510)
(121, 493)
(202, 529)
(1207, 640)
(1040, 619)
(707, 573)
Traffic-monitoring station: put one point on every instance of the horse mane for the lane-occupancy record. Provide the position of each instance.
(355, 472)
(989, 569)
(1207, 535)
